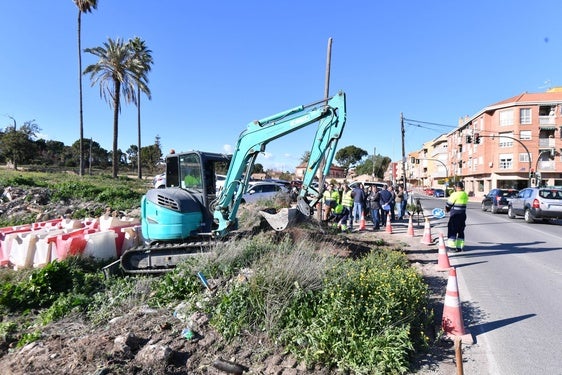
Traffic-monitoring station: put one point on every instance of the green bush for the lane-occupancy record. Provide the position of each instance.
(366, 319)
(44, 286)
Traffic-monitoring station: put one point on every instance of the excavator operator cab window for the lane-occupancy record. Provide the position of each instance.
(172, 173)
(190, 171)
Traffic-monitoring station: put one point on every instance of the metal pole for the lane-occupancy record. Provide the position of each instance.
(326, 96)
(403, 151)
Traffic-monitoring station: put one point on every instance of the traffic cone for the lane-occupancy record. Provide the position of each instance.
(426, 238)
(411, 227)
(362, 223)
(442, 258)
(452, 322)
(388, 224)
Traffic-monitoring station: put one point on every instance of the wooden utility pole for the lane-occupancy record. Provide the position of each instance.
(403, 151)
(326, 96)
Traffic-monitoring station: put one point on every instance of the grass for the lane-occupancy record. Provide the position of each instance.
(365, 315)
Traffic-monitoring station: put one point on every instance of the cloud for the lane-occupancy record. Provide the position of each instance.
(228, 148)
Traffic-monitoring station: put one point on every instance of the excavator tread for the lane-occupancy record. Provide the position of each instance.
(157, 258)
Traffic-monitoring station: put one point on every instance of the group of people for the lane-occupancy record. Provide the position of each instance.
(345, 206)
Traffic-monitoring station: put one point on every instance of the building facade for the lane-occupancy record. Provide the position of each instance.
(511, 144)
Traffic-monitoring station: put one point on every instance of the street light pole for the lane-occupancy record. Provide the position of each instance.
(446, 170)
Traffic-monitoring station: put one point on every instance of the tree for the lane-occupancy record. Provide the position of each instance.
(145, 55)
(151, 155)
(305, 157)
(258, 168)
(84, 6)
(380, 165)
(349, 156)
(132, 154)
(119, 71)
(18, 145)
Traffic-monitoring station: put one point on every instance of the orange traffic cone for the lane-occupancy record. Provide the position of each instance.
(411, 227)
(442, 259)
(362, 224)
(388, 224)
(426, 238)
(452, 322)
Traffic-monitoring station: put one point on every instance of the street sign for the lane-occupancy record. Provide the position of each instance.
(438, 213)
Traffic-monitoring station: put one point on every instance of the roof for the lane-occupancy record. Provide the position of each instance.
(530, 98)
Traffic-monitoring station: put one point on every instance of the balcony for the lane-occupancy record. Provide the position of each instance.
(547, 122)
(546, 142)
(546, 165)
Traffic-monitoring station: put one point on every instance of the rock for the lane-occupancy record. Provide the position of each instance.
(154, 353)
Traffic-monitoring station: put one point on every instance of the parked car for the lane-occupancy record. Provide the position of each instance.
(438, 193)
(159, 181)
(429, 191)
(220, 182)
(498, 200)
(263, 190)
(536, 203)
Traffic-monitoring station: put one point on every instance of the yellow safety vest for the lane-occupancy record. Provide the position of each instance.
(347, 200)
(457, 202)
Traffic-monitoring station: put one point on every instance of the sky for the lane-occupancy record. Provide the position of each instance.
(219, 65)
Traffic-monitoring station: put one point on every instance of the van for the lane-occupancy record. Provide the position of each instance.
(367, 184)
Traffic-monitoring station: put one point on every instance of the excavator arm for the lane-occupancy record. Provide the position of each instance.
(331, 115)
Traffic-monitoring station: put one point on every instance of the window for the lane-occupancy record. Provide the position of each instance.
(524, 157)
(525, 135)
(506, 161)
(506, 118)
(504, 141)
(525, 116)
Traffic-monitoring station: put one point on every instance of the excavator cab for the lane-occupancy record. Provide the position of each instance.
(182, 209)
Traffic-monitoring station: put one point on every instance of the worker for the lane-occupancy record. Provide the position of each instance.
(331, 197)
(456, 207)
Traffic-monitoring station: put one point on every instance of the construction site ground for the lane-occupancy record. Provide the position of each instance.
(141, 339)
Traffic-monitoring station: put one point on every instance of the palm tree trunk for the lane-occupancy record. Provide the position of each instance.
(80, 93)
(116, 103)
(139, 168)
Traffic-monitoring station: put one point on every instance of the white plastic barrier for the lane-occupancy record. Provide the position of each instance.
(108, 221)
(22, 249)
(133, 237)
(45, 251)
(100, 245)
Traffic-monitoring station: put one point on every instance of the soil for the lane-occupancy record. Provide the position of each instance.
(153, 341)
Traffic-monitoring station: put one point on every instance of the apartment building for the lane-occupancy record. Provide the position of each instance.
(510, 144)
(428, 167)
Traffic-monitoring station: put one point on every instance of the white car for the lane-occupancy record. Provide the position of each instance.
(263, 190)
(159, 181)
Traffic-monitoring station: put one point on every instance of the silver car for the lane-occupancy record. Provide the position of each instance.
(536, 204)
(263, 190)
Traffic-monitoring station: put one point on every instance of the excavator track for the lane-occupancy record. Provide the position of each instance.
(158, 258)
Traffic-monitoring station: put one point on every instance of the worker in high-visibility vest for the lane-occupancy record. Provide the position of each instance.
(456, 207)
(331, 197)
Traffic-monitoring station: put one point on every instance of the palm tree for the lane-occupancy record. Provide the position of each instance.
(84, 6)
(145, 55)
(118, 72)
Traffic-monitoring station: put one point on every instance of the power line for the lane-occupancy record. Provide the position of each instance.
(411, 121)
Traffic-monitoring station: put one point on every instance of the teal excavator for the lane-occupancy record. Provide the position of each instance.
(185, 218)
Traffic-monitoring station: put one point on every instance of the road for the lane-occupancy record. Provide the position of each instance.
(510, 287)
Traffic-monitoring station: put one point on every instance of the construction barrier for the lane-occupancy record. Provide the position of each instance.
(411, 226)
(388, 224)
(426, 238)
(443, 263)
(362, 223)
(452, 321)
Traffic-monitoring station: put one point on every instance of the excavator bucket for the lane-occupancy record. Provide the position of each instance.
(284, 218)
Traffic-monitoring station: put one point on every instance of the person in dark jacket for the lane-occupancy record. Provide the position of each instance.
(373, 202)
(385, 199)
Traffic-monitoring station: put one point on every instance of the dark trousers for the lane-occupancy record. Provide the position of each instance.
(456, 225)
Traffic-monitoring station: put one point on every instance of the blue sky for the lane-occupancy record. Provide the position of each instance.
(219, 65)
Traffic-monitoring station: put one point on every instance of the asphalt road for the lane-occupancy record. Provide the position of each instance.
(510, 287)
